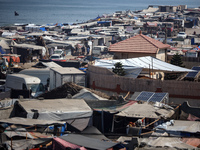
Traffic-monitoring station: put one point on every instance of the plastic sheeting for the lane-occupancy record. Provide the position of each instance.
(140, 63)
(164, 142)
(30, 122)
(181, 126)
(87, 142)
(7, 103)
(57, 109)
(145, 110)
(87, 95)
(131, 70)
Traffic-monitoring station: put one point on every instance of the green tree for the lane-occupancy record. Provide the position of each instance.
(118, 69)
(177, 60)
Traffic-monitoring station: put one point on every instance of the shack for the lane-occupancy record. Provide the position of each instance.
(29, 52)
(59, 76)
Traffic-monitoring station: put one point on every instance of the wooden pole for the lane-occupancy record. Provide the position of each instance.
(11, 143)
(127, 95)
(146, 132)
(151, 123)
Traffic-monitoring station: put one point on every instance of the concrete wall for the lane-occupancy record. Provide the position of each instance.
(131, 55)
(104, 80)
(160, 55)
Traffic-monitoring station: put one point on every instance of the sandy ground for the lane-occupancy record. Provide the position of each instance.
(27, 65)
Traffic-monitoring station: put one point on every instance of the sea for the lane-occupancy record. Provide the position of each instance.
(41, 12)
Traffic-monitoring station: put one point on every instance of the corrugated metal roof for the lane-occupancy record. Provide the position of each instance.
(138, 44)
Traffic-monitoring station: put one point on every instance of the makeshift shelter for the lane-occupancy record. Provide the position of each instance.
(74, 111)
(138, 115)
(26, 143)
(46, 65)
(146, 110)
(134, 66)
(88, 143)
(59, 76)
(179, 126)
(30, 122)
(93, 132)
(4, 47)
(145, 63)
(163, 142)
(29, 52)
(87, 95)
(103, 115)
(189, 113)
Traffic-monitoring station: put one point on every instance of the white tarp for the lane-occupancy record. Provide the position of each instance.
(131, 70)
(87, 95)
(147, 62)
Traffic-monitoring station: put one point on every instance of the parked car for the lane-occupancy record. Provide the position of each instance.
(182, 35)
(90, 58)
(56, 57)
(59, 51)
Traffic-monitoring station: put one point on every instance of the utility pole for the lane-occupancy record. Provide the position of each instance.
(165, 42)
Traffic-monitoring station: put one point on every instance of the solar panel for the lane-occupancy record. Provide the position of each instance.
(157, 97)
(193, 74)
(196, 68)
(144, 96)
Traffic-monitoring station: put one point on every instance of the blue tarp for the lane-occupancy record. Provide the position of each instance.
(2, 51)
(102, 22)
(43, 29)
(97, 18)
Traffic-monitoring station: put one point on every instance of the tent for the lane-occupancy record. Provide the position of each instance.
(141, 63)
(164, 142)
(87, 142)
(75, 111)
(145, 110)
(30, 122)
(131, 70)
(180, 126)
(87, 95)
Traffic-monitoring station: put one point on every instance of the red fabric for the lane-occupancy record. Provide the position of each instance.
(15, 59)
(60, 144)
(192, 117)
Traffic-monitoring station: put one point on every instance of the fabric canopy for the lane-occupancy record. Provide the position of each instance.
(57, 109)
(147, 62)
(145, 110)
(30, 122)
(130, 70)
(87, 142)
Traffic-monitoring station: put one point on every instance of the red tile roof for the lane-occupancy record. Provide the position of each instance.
(138, 44)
